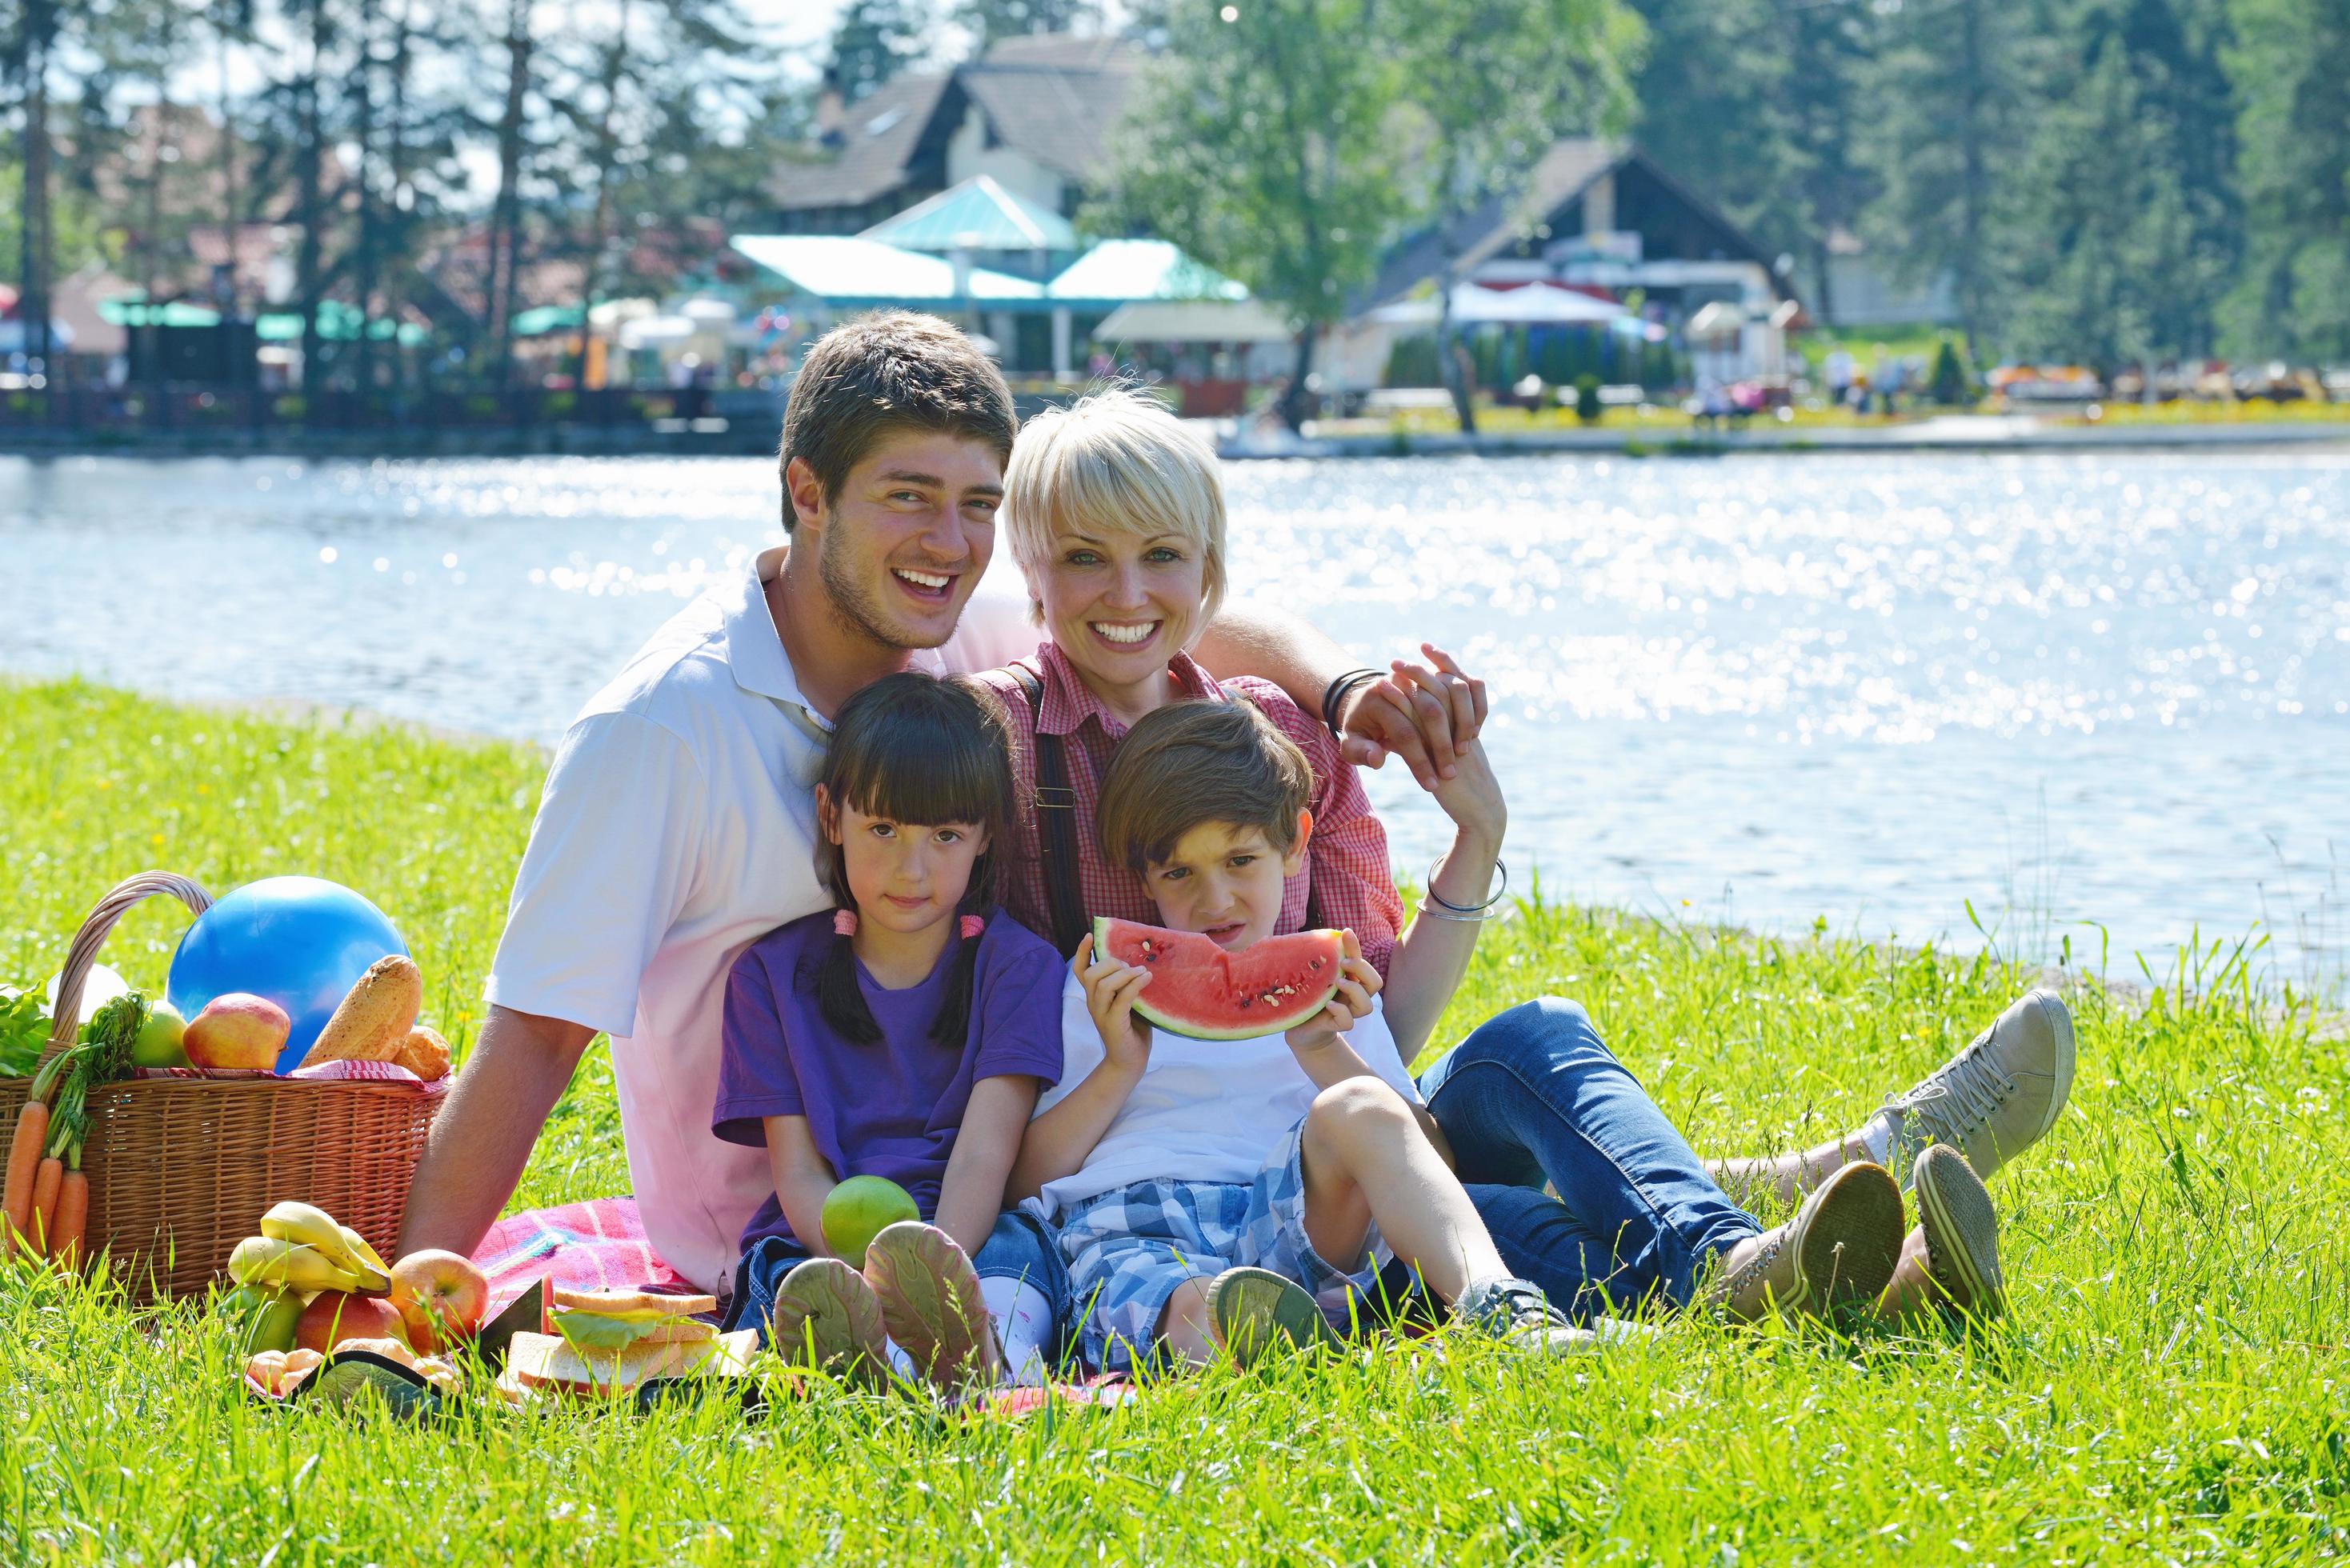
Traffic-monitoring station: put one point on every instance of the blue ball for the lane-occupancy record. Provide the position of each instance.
(300, 941)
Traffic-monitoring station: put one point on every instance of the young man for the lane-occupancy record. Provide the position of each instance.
(677, 822)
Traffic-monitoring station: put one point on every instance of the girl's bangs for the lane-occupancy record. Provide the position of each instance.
(911, 768)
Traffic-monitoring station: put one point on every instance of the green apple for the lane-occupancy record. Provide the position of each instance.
(859, 1209)
(158, 1044)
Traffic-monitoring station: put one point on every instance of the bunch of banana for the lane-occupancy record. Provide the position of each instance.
(302, 1248)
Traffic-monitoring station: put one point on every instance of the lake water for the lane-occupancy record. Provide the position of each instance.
(2075, 692)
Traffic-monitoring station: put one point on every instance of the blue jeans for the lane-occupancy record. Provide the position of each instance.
(1020, 1247)
(1535, 1095)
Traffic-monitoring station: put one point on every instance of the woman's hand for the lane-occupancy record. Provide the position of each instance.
(1110, 990)
(1427, 723)
(1357, 983)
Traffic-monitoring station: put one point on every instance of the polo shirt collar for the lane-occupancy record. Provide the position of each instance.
(755, 649)
(1067, 701)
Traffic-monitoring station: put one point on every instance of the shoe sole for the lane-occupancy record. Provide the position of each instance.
(826, 1311)
(1256, 1311)
(1851, 1240)
(931, 1302)
(2060, 1023)
(1961, 1228)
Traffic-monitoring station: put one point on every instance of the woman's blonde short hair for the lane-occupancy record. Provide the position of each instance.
(1116, 460)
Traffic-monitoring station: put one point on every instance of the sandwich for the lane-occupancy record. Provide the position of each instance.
(609, 1344)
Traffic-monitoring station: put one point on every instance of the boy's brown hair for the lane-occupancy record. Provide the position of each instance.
(886, 371)
(1191, 763)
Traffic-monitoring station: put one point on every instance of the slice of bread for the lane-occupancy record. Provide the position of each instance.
(545, 1363)
(628, 1303)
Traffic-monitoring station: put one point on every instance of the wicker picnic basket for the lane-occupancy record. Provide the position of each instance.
(182, 1168)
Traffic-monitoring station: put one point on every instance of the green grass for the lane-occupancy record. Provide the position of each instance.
(2168, 1385)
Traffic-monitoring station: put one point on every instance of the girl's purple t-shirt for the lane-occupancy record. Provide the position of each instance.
(890, 1108)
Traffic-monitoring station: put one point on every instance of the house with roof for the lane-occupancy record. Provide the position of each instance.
(1033, 114)
(1598, 218)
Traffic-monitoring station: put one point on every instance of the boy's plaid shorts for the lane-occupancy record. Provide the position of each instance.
(1129, 1248)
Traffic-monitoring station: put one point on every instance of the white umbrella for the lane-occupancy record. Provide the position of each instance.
(1529, 305)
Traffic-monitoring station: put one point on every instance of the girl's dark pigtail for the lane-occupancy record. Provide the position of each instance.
(840, 999)
(953, 1022)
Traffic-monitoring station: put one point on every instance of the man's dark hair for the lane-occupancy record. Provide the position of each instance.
(886, 371)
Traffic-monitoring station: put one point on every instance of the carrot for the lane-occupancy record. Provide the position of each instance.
(73, 1216)
(48, 1185)
(24, 1156)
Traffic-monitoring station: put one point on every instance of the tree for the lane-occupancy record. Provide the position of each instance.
(2291, 64)
(2126, 238)
(874, 40)
(1494, 83)
(1946, 106)
(1262, 141)
(989, 20)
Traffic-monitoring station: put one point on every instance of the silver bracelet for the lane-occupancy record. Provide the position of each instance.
(1477, 911)
(1436, 914)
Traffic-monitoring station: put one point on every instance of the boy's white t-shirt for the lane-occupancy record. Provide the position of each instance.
(676, 828)
(1204, 1110)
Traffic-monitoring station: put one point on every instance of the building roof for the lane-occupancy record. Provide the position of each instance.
(841, 270)
(977, 215)
(1051, 97)
(1125, 270)
(1562, 175)
(879, 137)
(1054, 98)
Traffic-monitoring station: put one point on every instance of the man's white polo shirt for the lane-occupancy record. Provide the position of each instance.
(677, 827)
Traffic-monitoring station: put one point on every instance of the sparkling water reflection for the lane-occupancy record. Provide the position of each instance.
(1773, 689)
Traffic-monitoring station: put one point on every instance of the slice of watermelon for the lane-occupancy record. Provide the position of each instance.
(1200, 989)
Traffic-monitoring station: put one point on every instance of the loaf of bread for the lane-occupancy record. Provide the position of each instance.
(424, 1053)
(374, 1017)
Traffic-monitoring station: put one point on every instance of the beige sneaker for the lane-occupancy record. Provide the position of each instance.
(1841, 1247)
(1997, 1097)
(1954, 1210)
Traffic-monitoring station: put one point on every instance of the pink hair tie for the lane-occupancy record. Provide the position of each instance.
(971, 926)
(844, 922)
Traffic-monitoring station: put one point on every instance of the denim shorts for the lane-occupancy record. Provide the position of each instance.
(1129, 1249)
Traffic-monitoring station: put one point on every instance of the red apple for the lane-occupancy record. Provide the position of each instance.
(335, 1317)
(440, 1296)
(236, 1030)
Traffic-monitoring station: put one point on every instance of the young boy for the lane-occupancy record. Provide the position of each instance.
(1184, 1175)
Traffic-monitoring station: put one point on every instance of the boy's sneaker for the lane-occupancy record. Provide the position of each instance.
(1994, 1099)
(1841, 1247)
(930, 1303)
(1516, 1312)
(1961, 1231)
(1256, 1311)
(826, 1313)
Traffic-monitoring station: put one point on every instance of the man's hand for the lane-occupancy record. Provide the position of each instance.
(1357, 983)
(1110, 990)
(1428, 716)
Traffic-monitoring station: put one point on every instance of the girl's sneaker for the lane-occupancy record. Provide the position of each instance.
(826, 1313)
(1256, 1311)
(931, 1305)
(1516, 1312)
(1840, 1248)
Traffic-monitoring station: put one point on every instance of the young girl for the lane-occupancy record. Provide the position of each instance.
(905, 1035)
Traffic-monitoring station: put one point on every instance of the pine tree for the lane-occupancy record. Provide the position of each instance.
(1946, 123)
(2291, 66)
(873, 41)
(989, 20)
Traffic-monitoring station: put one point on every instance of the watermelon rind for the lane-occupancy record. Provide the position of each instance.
(1307, 1006)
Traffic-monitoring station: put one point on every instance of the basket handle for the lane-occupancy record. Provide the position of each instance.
(93, 934)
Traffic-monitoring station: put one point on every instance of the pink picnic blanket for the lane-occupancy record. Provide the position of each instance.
(599, 1245)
